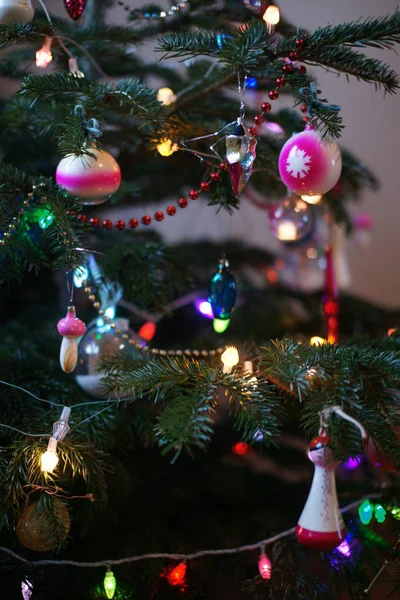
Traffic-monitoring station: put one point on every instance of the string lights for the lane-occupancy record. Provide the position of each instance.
(44, 55)
(176, 575)
(61, 428)
(230, 358)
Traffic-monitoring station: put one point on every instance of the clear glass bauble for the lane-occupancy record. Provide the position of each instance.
(291, 220)
(99, 342)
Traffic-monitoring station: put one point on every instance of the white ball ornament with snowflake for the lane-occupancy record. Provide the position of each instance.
(310, 165)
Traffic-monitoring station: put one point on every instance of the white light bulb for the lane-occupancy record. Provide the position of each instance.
(316, 340)
(287, 231)
(230, 358)
(50, 458)
(44, 55)
(314, 199)
(271, 17)
(166, 96)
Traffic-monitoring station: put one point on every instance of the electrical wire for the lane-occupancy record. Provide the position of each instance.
(172, 556)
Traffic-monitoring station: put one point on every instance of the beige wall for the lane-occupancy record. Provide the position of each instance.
(371, 132)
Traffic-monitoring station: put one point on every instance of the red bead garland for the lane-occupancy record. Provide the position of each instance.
(159, 215)
(280, 82)
(273, 94)
(287, 68)
(253, 131)
(258, 119)
(293, 56)
(182, 202)
(266, 107)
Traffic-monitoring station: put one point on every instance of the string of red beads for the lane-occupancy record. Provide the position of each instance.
(159, 215)
(281, 81)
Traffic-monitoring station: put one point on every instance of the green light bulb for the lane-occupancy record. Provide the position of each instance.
(221, 325)
(46, 219)
(380, 513)
(110, 584)
(365, 511)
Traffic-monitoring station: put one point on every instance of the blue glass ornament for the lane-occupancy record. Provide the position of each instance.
(222, 292)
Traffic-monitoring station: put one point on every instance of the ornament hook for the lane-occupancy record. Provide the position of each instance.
(327, 412)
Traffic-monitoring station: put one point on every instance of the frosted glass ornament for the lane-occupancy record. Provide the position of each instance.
(93, 180)
(309, 164)
(100, 341)
(16, 10)
(290, 220)
(33, 529)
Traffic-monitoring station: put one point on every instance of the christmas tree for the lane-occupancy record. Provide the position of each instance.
(159, 401)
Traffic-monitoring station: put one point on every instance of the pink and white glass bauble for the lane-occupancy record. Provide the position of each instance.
(93, 180)
(310, 165)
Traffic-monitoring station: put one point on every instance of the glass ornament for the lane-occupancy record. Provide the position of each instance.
(291, 220)
(310, 165)
(91, 178)
(100, 341)
(75, 8)
(240, 156)
(34, 529)
(222, 291)
(16, 10)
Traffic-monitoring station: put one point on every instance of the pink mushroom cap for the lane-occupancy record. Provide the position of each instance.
(71, 326)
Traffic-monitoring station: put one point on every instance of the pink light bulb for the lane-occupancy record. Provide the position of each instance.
(264, 566)
(204, 307)
(344, 548)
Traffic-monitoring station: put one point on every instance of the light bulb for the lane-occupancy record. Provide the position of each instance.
(167, 148)
(230, 358)
(380, 513)
(391, 331)
(74, 68)
(177, 575)
(345, 549)
(148, 331)
(166, 96)
(312, 199)
(26, 589)
(50, 458)
(110, 584)
(365, 512)
(315, 340)
(271, 17)
(221, 325)
(264, 566)
(287, 231)
(204, 307)
(44, 55)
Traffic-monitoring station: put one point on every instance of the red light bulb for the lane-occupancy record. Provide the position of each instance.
(241, 449)
(264, 566)
(177, 575)
(148, 331)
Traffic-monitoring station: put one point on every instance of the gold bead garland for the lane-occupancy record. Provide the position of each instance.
(15, 220)
(155, 351)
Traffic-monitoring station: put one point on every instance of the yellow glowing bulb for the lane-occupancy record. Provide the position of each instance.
(312, 199)
(317, 341)
(230, 358)
(287, 231)
(167, 148)
(166, 96)
(49, 461)
(272, 15)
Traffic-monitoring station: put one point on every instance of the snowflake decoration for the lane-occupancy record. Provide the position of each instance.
(298, 163)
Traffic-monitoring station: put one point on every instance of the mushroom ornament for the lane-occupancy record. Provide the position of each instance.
(71, 328)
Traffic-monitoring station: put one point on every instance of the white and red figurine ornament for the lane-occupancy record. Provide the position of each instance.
(310, 165)
(92, 179)
(321, 524)
(71, 328)
(20, 11)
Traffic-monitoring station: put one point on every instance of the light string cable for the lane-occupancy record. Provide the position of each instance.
(174, 556)
(60, 39)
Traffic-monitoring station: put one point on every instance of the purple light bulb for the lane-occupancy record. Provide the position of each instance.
(204, 307)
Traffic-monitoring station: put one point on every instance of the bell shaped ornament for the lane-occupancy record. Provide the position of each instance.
(321, 525)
